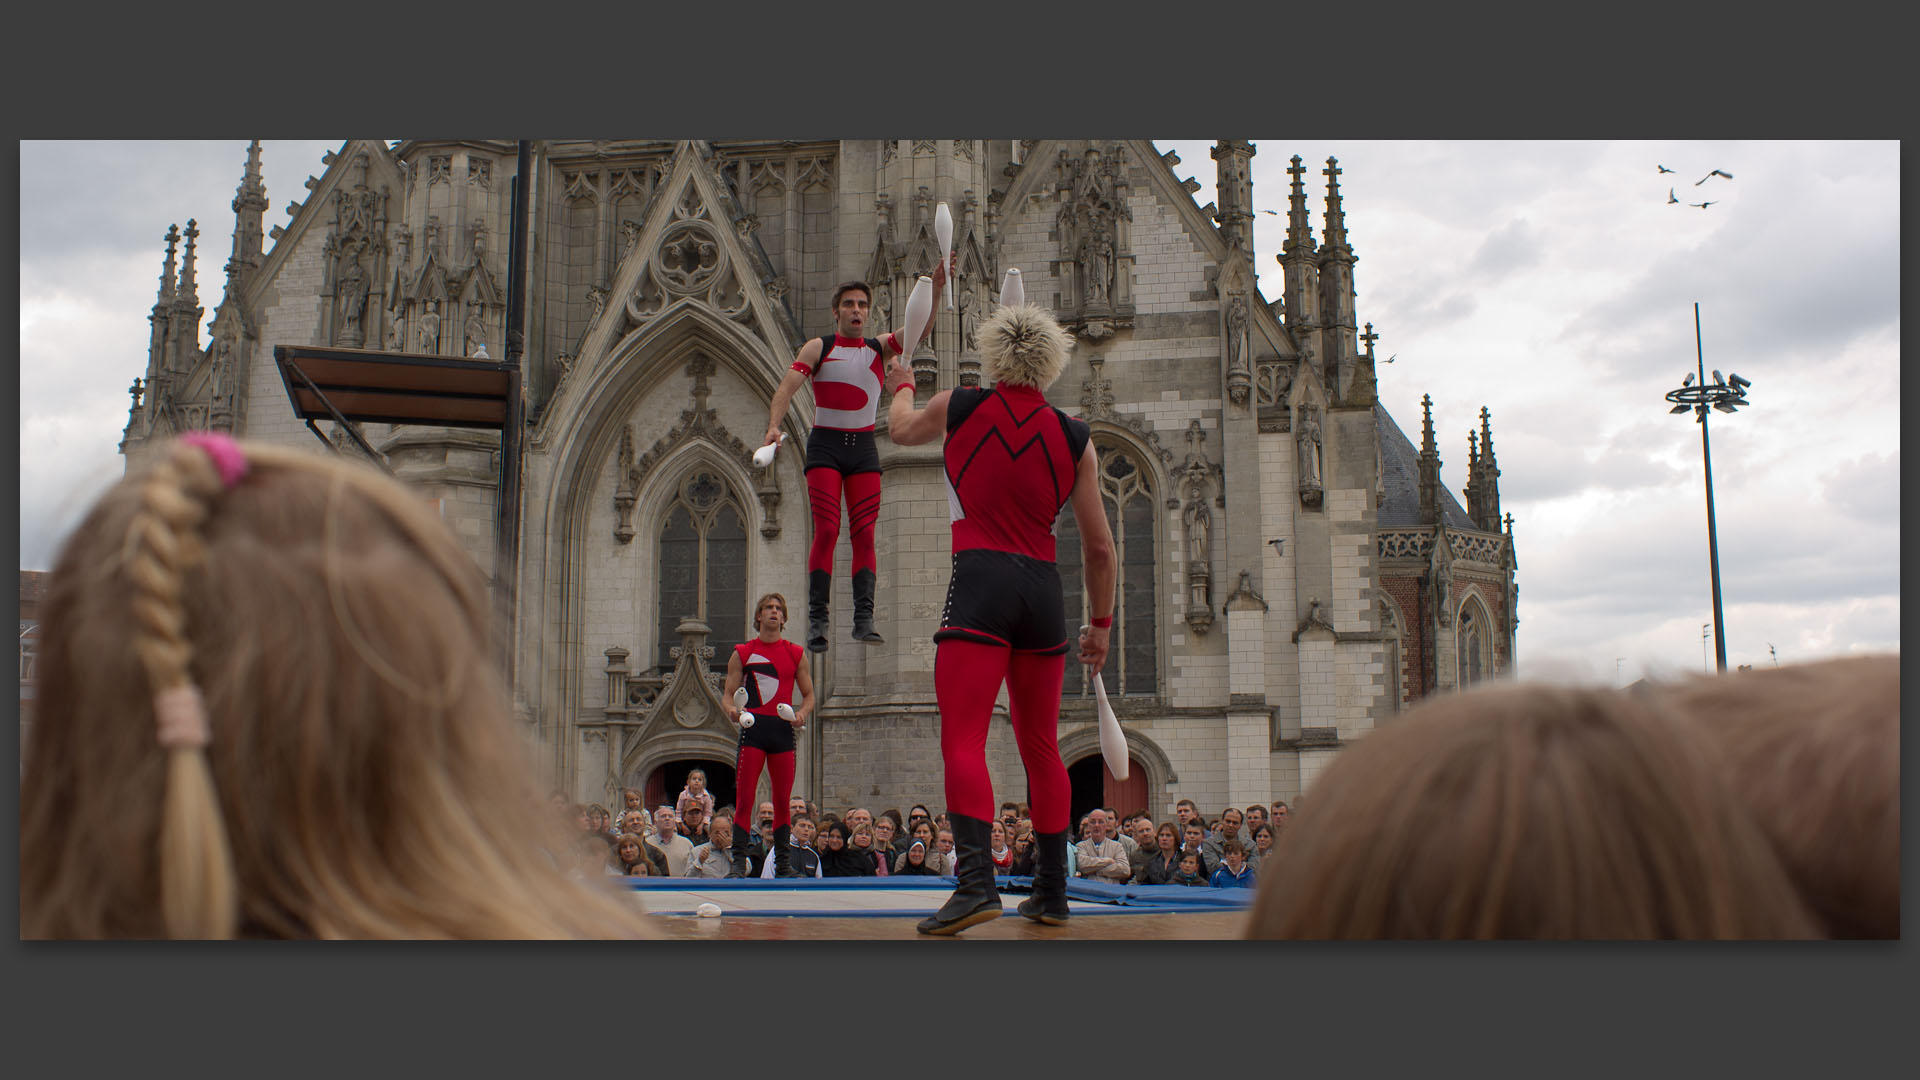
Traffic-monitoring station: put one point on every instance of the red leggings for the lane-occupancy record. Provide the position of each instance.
(863, 509)
(966, 678)
(746, 782)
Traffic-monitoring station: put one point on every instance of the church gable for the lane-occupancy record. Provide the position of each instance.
(690, 250)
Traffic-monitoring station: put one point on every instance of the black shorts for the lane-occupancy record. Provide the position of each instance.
(845, 452)
(769, 735)
(1000, 598)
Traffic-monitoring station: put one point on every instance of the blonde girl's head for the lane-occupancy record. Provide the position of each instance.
(360, 774)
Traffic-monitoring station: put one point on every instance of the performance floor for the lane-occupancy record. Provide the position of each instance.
(865, 909)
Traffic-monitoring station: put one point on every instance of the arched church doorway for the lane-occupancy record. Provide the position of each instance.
(1094, 786)
(666, 782)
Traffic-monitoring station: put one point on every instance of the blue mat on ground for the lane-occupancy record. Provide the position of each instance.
(863, 896)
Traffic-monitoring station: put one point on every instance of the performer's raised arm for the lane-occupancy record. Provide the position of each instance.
(1098, 560)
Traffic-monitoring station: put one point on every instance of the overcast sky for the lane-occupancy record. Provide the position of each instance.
(1551, 282)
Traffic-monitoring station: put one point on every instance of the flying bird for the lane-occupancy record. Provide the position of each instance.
(1663, 168)
(1703, 205)
(1671, 198)
(1275, 213)
(1711, 175)
(1392, 358)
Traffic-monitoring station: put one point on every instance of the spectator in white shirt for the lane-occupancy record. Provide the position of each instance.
(1100, 857)
(667, 839)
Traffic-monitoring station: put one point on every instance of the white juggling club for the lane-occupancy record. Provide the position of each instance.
(785, 710)
(919, 313)
(740, 700)
(943, 232)
(1113, 744)
(763, 457)
(1012, 293)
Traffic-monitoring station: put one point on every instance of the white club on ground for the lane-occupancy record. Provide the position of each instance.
(763, 457)
(943, 232)
(919, 312)
(1012, 293)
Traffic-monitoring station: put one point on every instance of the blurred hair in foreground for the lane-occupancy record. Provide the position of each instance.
(1526, 811)
(362, 777)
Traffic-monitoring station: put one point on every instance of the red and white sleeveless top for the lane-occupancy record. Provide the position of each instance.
(846, 384)
(768, 671)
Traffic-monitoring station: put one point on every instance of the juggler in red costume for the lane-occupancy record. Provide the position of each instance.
(1012, 461)
(846, 370)
(770, 668)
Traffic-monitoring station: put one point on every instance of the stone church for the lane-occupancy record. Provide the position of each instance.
(1292, 570)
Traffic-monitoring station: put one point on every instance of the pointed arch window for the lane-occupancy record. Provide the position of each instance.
(1476, 656)
(1126, 493)
(703, 565)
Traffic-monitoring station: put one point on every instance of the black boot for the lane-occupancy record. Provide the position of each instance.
(782, 851)
(1048, 904)
(741, 867)
(863, 609)
(976, 900)
(818, 582)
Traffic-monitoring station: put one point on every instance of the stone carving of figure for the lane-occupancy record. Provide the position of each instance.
(429, 328)
(969, 319)
(353, 303)
(1308, 440)
(396, 331)
(479, 239)
(1199, 523)
(597, 300)
(629, 235)
(1099, 260)
(1443, 586)
(1237, 334)
(220, 371)
(883, 305)
(476, 329)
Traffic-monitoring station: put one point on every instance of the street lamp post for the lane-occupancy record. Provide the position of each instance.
(1727, 395)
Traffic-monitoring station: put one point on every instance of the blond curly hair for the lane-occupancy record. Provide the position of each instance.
(1024, 346)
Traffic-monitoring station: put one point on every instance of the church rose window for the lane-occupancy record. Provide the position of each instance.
(703, 566)
(1133, 654)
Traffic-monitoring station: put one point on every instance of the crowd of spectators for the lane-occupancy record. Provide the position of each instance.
(693, 839)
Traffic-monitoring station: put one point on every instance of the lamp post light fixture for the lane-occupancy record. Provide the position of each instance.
(1725, 394)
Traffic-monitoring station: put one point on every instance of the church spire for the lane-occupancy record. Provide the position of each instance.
(1429, 465)
(1336, 225)
(249, 208)
(1472, 490)
(189, 289)
(167, 269)
(1486, 477)
(1302, 281)
(1234, 185)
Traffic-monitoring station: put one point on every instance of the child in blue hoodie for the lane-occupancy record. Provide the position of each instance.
(1233, 872)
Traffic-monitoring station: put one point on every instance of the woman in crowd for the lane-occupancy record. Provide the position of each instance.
(998, 849)
(922, 833)
(1528, 811)
(285, 661)
(1158, 866)
(1024, 852)
(1262, 846)
(838, 858)
(636, 859)
(860, 841)
(884, 849)
(913, 862)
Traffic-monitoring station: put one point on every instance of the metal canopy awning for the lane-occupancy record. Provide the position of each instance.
(371, 386)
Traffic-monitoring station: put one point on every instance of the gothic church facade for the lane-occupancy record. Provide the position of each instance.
(1293, 571)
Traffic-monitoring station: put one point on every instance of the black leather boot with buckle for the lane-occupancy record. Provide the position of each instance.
(782, 851)
(976, 900)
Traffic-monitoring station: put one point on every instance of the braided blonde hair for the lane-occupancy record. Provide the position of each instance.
(163, 543)
(335, 796)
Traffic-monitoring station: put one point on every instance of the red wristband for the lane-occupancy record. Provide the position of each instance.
(1102, 621)
(903, 386)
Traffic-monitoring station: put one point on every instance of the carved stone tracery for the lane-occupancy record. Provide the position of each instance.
(698, 423)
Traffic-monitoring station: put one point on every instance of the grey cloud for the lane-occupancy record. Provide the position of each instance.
(1509, 249)
(1867, 488)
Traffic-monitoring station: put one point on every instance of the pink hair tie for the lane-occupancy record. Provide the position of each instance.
(182, 717)
(227, 456)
